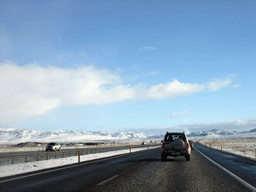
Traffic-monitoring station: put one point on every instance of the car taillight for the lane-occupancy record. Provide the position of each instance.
(188, 145)
(162, 145)
(166, 151)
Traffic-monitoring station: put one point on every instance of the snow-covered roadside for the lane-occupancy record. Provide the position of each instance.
(20, 149)
(241, 148)
(15, 169)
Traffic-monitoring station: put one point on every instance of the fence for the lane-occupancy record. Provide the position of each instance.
(42, 155)
(224, 147)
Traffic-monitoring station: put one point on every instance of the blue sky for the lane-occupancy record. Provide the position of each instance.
(151, 66)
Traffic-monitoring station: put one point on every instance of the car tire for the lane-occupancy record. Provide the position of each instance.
(163, 157)
(187, 157)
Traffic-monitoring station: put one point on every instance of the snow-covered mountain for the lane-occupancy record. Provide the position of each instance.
(27, 135)
(212, 132)
(222, 135)
(253, 130)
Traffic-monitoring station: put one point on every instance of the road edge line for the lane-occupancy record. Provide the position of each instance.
(243, 182)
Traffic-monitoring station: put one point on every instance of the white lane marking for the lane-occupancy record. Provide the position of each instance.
(107, 180)
(249, 186)
(57, 169)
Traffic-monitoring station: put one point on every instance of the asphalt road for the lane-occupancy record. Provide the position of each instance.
(140, 171)
(242, 167)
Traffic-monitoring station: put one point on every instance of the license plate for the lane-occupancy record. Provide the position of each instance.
(175, 153)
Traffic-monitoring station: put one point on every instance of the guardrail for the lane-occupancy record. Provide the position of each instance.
(42, 155)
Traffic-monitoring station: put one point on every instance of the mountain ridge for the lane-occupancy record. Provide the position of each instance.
(11, 135)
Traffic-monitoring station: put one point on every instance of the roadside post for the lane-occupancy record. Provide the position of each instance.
(78, 154)
(130, 149)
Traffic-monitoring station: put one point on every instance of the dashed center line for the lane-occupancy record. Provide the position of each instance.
(107, 180)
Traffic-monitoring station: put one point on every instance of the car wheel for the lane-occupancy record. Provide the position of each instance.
(163, 157)
(188, 157)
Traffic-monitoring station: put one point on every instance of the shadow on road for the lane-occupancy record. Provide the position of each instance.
(177, 159)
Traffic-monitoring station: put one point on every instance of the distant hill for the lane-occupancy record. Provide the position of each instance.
(212, 132)
(27, 135)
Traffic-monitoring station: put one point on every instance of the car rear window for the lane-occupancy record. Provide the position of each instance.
(173, 137)
(51, 144)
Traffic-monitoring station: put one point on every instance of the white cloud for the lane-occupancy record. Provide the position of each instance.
(173, 89)
(235, 125)
(218, 84)
(177, 115)
(174, 115)
(238, 125)
(152, 73)
(35, 90)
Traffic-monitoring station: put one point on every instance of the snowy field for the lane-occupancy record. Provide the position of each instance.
(14, 169)
(242, 148)
(242, 144)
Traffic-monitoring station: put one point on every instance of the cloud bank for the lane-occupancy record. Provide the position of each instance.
(35, 90)
(235, 125)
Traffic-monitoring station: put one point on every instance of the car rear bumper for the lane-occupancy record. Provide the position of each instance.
(175, 153)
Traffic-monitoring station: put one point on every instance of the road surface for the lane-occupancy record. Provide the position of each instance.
(139, 171)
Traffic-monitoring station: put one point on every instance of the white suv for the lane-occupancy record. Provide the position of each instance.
(53, 147)
(175, 144)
